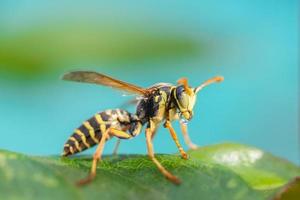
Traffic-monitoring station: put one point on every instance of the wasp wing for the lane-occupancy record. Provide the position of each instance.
(101, 79)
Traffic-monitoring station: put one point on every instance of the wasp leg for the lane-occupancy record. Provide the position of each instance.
(168, 175)
(98, 153)
(186, 136)
(153, 133)
(174, 136)
(115, 152)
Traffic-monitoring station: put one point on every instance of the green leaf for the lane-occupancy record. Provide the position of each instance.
(261, 170)
(23, 178)
(224, 171)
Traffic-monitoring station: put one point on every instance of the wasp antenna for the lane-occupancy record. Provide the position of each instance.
(185, 84)
(215, 79)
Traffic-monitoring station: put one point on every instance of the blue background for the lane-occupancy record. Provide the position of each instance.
(253, 44)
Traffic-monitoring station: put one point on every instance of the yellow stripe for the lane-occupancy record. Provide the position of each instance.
(120, 134)
(91, 131)
(76, 143)
(83, 138)
(66, 145)
(101, 122)
(71, 150)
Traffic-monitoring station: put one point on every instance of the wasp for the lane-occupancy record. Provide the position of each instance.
(159, 104)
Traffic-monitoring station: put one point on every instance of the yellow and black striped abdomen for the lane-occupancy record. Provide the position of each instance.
(87, 135)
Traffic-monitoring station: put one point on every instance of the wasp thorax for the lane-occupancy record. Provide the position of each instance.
(185, 101)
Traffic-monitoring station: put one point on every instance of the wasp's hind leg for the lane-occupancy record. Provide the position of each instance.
(123, 106)
(186, 136)
(166, 173)
(134, 130)
(116, 148)
(98, 153)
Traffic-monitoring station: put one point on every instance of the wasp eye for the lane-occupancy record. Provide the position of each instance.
(182, 97)
(179, 91)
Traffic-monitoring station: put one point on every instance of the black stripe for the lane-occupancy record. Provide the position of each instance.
(70, 142)
(90, 141)
(82, 146)
(107, 126)
(84, 130)
(104, 116)
(75, 149)
(79, 140)
(98, 135)
(67, 151)
(93, 122)
(77, 137)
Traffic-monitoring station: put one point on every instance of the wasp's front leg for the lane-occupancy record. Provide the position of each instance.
(175, 138)
(186, 136)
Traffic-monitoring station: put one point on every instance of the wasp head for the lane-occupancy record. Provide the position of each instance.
(185, 99)
(185, 96)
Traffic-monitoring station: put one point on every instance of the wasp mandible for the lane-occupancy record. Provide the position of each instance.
(160, 103)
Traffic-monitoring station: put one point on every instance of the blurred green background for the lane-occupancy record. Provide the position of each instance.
(253, 44)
